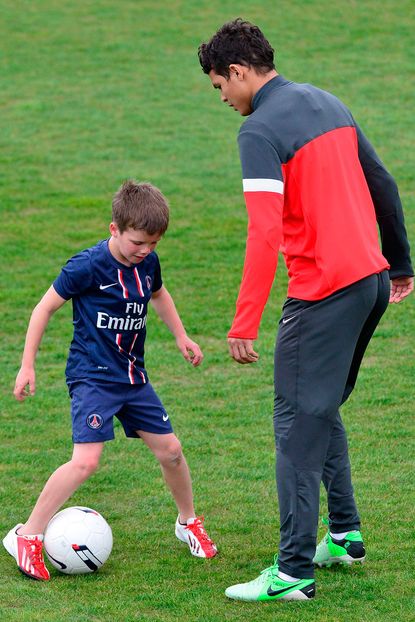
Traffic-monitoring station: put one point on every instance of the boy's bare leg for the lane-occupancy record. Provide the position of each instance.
(168, 451)
(61, 485)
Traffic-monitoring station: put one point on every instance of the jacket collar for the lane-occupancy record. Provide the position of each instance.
(268, 88)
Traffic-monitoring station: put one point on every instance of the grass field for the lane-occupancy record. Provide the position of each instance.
(93, 93)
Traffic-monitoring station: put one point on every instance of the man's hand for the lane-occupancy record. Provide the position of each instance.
(190, 350)
(401, 288)
(25, 383)
(242, 351)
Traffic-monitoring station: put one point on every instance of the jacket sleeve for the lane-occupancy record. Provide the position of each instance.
(388, 207)
(263, 191)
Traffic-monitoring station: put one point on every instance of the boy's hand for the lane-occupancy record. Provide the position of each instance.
(25, 377)
(190, 350)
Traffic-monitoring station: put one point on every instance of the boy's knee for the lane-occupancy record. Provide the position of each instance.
(172, 454)
(86, 466)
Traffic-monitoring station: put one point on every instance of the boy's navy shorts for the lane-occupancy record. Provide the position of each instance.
(95, 403)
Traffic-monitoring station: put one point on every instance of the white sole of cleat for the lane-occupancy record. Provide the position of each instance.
(346, 560)
(295, 596)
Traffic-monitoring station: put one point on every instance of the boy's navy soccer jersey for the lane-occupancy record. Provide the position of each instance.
(109, 314)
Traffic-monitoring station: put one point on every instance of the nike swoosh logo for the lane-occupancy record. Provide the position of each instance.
(165, 417)
(106, 286)
(272, 592)
(288, 319)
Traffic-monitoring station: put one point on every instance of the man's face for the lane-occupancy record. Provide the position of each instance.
(236, 90)
(132, 245)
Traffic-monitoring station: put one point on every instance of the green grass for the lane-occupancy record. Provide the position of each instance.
(92, 93)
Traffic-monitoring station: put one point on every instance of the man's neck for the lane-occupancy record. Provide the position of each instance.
(259, 80)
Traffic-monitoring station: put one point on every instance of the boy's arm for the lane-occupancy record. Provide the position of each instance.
(165, 308)
(41, 314)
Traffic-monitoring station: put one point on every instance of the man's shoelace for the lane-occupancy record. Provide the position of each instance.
(271, 571)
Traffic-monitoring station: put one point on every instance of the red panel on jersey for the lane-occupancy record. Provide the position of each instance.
(325, 223)
(264, 236)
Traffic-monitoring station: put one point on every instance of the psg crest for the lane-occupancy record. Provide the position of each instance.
(94, 421)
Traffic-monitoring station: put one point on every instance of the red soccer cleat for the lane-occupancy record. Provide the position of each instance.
(27, 551)
(195, 536)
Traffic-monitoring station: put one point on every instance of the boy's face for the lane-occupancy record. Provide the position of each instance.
(132, 245)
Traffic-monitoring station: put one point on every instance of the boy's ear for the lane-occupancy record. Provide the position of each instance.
(113, 229)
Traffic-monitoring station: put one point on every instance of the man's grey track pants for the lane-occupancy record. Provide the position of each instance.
(319, 349)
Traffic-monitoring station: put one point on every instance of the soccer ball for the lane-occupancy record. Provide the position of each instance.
(77, 540)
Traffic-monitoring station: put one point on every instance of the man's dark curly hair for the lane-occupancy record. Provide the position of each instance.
(238, 42)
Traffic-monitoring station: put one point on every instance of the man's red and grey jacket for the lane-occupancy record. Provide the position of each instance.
(316, 190)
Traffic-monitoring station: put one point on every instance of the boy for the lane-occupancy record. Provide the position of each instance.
(314, 188)
(110, 285)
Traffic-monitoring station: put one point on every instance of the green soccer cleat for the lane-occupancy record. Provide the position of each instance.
(268, 586)
(346, 551)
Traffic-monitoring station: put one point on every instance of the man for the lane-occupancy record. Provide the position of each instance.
(314, 189)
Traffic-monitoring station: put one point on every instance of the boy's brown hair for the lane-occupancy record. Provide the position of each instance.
(140, 206)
